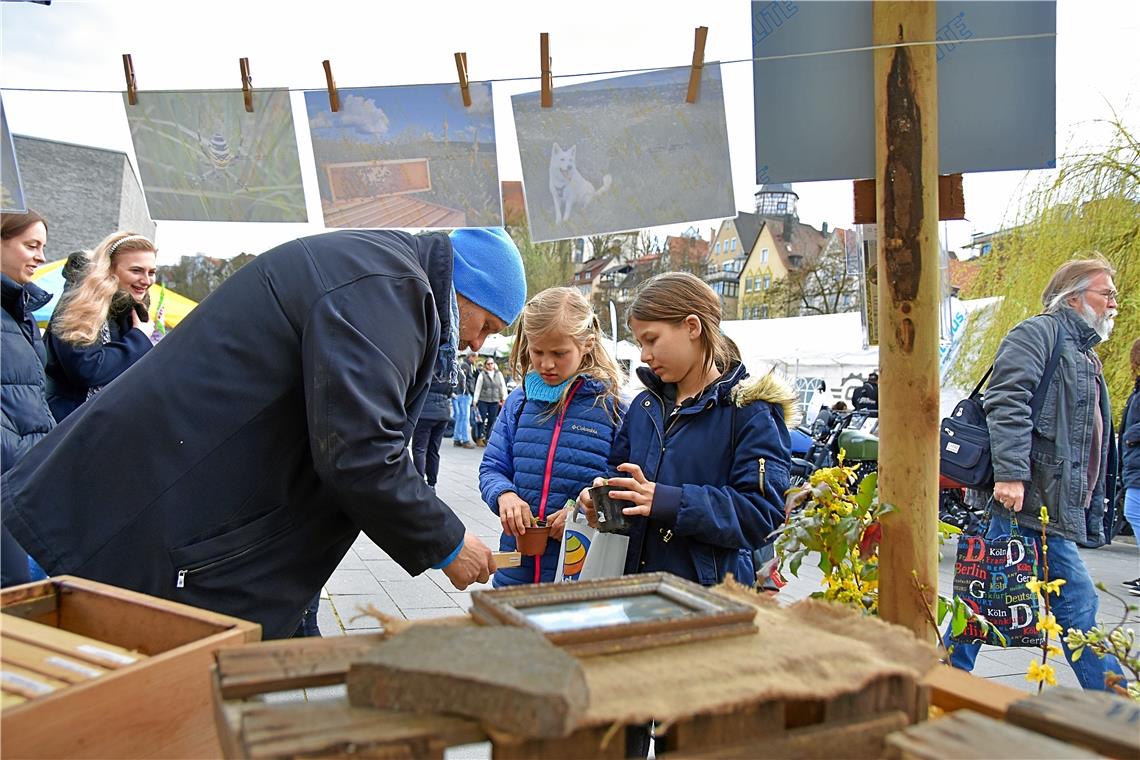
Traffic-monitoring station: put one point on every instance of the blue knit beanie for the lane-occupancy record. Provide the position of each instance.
(488, 270)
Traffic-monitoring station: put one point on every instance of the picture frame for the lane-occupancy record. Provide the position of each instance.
(616, 614)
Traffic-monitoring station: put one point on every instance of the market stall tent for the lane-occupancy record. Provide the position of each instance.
(50, 278)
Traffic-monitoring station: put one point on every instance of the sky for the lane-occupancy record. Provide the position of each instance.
(195, 44)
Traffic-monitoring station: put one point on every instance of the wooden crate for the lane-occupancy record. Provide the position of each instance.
(249, 727)
(98, 671)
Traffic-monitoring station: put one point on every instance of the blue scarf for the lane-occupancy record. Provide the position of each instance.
(537, 389)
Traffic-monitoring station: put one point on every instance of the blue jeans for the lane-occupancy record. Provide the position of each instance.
(1132, 510)
(1076, 607)
(461, 413)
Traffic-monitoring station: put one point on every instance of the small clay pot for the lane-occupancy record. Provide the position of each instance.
(534, 540)
(611, 519)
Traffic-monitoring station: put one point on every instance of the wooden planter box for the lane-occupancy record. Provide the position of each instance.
(137, 684)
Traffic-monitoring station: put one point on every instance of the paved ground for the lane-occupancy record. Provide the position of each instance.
(368, 576)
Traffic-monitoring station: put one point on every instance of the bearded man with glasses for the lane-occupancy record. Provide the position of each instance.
(1062, 460)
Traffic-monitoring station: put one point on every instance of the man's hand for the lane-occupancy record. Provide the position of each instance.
(587, 503)
(514, 514)
(1010, 493)
(475, 564)
(637, 489)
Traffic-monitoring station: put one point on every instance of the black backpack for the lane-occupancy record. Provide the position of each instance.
(964, 454)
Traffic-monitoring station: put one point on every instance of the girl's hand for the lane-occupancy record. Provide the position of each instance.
(637, 489)
(557, 523)
(587, 503)
(514, 514)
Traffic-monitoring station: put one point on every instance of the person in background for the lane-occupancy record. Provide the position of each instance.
(428, 434)
(1061, 460)
(866, 396)
(569, 405)
(461, 404)
(24, 411)
(490, 393)
(102, 324)
(1130, 454)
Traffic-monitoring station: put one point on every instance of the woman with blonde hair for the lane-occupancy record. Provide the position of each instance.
(555, 430)
(102, 324)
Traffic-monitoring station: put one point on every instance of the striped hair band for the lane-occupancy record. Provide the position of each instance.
(114, 247)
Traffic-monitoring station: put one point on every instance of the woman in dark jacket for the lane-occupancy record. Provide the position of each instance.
(26, 417)
(428, 434)
(102, 325)
(1130, 453)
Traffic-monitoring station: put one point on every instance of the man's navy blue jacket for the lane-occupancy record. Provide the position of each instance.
(235, 464)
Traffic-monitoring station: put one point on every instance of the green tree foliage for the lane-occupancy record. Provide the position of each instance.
(1091, 204)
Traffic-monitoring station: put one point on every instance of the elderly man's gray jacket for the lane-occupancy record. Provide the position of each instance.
(1051, 456)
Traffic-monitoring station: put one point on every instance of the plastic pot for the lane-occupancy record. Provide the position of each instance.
(534, 540)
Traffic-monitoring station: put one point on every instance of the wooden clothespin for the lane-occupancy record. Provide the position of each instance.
(246, 84)
(464, 88)
(334, 96)
(129, 72)
(547, 77)
(698, 64)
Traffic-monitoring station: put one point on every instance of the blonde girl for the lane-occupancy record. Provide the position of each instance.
(102, 324)
(556, 429)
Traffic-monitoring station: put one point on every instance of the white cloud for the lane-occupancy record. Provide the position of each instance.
(362, 115)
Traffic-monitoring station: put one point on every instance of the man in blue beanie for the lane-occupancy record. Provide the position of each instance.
(235, 464)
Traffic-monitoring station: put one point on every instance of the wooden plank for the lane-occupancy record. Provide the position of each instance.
(741, 726)
(966, 734)
(289, 664)
(8, 699)
(507, 559)
(599, 742)
(909, 288)
(951, 200)
(80, 647)
(28, 683)
(161, 708)
(1103, 722)
(952, 689)
(48, 662)
(854, 738)
(319, 729)
(38, 602)
(135, 622)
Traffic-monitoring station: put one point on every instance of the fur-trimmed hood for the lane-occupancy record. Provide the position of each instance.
(772, 388)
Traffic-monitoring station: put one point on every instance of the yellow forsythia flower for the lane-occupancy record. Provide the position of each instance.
(1038, 672)
(1044, 515)
(1048, 624)
(1054, 586)
(1035, 586)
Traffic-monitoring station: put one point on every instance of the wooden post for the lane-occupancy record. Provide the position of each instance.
(906, 169)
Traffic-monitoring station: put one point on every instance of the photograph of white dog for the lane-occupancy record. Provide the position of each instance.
(623, 154)
(568, 188)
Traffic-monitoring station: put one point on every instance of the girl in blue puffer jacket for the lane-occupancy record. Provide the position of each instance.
(703, 454)
(556, 429)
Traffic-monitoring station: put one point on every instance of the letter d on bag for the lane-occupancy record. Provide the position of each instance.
(1020, 615)
(1019, 548)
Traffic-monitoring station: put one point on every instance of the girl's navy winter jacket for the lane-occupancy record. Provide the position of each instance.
(516, 459)
(720, 471)
(72, 370)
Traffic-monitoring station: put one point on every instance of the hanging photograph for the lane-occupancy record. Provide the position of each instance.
(625, 153)
(203, 158)
(11, 190)
(412, 157)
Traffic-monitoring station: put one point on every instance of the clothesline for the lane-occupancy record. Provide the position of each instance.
(786, 56)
